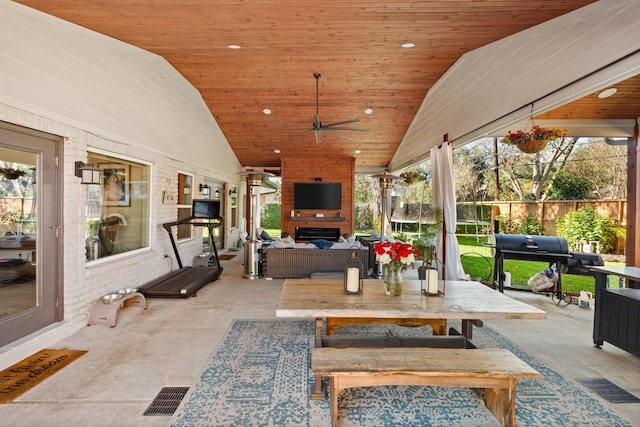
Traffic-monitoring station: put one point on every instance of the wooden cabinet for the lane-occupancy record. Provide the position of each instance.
(620, 318)
(617, 316)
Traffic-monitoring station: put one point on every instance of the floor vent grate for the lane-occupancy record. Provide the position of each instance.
(167, 401)
(608, 390)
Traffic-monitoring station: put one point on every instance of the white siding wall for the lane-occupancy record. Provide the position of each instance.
(477, 94)
(98, 93)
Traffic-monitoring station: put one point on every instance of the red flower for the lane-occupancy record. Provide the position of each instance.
(395, 254)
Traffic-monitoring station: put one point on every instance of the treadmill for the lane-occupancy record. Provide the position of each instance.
(186, 281)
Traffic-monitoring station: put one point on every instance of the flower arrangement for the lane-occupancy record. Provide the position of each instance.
(394, 255)
(410, 176)
(536, 133)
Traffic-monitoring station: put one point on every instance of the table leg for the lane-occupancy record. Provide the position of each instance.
(601, 284)
(318, 391)
(467, 327)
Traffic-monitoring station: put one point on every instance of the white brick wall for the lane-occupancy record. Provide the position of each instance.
(146, 112)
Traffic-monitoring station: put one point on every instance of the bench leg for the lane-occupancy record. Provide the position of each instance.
(502, 403)
(317, 390)
(334, 393)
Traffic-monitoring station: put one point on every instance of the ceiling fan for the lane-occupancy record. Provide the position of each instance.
(329, 128)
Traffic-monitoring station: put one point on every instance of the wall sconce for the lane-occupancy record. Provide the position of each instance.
(217, 194)
(88, 173)
(232, 191)
(204, 189)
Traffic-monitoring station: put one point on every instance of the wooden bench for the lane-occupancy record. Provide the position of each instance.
(494, 370)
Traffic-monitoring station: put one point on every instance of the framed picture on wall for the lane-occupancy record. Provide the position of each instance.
(117, 191)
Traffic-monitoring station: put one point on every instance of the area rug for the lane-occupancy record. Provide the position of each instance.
(260, 376)
(26, 374)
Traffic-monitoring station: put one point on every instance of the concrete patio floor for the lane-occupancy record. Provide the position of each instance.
(168, 345)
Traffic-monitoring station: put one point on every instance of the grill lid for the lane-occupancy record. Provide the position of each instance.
(525, 244)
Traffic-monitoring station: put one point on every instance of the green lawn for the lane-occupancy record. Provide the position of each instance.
(477, 258)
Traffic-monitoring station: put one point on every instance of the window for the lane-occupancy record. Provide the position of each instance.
(185, 197)
(233, 202)
(117, 210)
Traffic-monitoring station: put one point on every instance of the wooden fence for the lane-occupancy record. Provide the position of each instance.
(546, 212)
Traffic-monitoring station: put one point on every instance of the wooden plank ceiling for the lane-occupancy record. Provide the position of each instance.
(354, 44)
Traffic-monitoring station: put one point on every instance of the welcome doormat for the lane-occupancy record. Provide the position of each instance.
(260, 376)
(26, 374)
(226, 257)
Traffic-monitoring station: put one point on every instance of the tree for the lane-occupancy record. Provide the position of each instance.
(467, 171)
(602, 166)
(532, 180)
(569, 187)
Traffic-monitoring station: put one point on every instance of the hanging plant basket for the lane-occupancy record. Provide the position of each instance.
(11, 173)
(533, 146)
(533, 140)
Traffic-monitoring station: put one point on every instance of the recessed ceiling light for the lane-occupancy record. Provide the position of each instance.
(266, 111)
(368, 111)
(276, 151)
(357, 152)
(607, 92)
(408, 45)
(234, 46)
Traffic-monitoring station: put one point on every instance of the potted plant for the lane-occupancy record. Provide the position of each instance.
(534, 140)
(426, 247)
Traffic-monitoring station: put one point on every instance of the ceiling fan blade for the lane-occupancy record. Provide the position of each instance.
(330, 132)
(340, 128)
(343, 122)
(300, 133)
(329, 128)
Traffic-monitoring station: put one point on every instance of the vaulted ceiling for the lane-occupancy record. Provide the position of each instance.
(356, 46)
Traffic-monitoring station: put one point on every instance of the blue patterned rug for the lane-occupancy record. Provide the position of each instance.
(259, 376)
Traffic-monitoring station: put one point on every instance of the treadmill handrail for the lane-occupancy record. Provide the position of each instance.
(189, 220)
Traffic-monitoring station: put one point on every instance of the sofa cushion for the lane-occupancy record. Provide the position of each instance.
(285, 245)
(346, 245)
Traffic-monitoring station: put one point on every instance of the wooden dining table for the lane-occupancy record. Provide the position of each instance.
(325, 300)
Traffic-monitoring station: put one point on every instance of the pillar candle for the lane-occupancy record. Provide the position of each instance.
(353, 277)
(432, 281)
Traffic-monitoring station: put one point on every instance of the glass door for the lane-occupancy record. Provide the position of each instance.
(28, 233)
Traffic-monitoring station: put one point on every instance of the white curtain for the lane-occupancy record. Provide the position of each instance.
(444, 198)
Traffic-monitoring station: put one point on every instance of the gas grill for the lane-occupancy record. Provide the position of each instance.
(551, 249)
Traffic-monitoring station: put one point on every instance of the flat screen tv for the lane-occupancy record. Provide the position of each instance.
(206, 208)
(317, 195)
